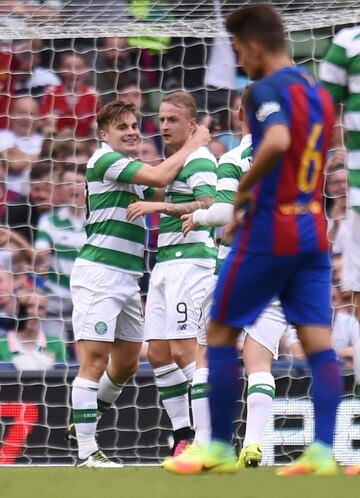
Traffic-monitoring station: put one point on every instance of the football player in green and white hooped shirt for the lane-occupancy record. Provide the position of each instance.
(340, 74)
(63, 233)
(261, 340)
(184, 267)
(107, 318)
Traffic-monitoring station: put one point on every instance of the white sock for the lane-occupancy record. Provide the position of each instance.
(189, 370)
(200, 406)
(261, 392)
(84, 405)
(173, 388)
(107, 394)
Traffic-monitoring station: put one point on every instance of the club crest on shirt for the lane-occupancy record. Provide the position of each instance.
(266, 109)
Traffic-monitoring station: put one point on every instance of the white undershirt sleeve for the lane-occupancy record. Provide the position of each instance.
(216, 215)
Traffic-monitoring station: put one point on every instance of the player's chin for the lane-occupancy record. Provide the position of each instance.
(130, 147)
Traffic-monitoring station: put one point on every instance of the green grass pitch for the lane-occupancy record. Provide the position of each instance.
(153, 482)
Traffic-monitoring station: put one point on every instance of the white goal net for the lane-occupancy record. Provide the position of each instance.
(60, 62)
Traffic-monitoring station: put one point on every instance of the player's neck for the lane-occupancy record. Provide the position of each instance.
(275, 62)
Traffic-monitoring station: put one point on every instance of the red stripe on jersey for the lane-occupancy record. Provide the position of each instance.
(237, 262)
(287, 241)
(328, 120)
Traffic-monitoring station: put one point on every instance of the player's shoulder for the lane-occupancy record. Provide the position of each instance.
(348, 37)
(239, 155)
(105, 154)
(202, 153)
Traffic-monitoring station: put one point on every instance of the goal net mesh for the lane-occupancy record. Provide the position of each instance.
(60, 61)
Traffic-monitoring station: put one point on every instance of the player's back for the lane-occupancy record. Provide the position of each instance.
(289, 216)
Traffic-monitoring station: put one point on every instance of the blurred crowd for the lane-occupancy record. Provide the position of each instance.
(49, 96)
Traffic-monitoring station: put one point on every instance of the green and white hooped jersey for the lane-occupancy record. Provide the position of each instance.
(112, 240)
(66, 235)
(232, 165)
(196, 179)
(340, 74)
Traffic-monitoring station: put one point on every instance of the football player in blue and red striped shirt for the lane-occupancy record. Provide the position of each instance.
(280, 246)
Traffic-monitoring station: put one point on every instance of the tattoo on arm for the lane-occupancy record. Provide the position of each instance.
(187, 207)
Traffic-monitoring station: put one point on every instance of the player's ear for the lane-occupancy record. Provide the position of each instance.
(241, 113)
(103, 135)
(192, 123)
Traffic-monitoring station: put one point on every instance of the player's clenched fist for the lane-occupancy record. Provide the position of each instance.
(201, 135)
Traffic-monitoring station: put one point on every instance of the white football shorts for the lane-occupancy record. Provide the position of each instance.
(106, 304)
(267, 330)
(176, 294)
(350, 280)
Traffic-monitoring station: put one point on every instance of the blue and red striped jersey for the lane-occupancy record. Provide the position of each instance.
(289, 216)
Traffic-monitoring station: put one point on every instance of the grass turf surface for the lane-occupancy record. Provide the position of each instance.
(153, 482)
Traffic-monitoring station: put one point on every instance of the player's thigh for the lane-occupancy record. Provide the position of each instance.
(130, 322)
(350, 278)
(268, 329)
(96, 308)
(155, 310)
(257, 357)
(307, 298)
(186, 285)
(124, 358)
(246, 285)
(205, 312)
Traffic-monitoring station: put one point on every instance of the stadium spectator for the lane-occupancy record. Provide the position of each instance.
(147, 152)
(63, 233)
(21, 144)
(28, 347)
(231, 138)
(7, 299)
(7, 196)
(336, 198)
(9, 64)
(72, 104)
(338, 73)
(130, 91)
(23, 217)
(112, 63)
(32, 78)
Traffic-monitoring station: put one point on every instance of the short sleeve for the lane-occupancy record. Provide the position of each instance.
(267, 105)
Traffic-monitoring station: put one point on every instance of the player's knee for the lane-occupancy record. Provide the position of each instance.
(158, 356)
(94, 367)
(182, 358)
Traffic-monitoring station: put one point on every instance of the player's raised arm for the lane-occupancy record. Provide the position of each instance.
(164, 173)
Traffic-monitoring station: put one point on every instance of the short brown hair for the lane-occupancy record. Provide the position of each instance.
(113, 111)
(41, 170)
(261, 23)
(181, 98)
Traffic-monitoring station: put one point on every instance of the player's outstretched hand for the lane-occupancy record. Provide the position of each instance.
(201, 136)
(141, 208)
(188, 223)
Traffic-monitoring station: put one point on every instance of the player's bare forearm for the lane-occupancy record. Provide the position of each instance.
(178, 210)
(142, 208)
(275, 143)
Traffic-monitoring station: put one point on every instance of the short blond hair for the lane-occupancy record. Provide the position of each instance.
(181, 98)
